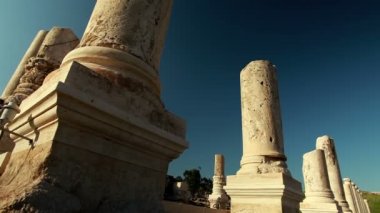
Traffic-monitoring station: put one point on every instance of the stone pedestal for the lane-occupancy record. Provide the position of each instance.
(349, 195)
(319, 197)
(103, 139)
(44, 55)
(263, 183)
(218, 199)
(327, 144)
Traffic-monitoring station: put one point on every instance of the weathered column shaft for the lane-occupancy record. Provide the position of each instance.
(317, 185)
(349, 195)
(319, 197)
(327, 144)
(57, 43)
(219, 165)
(136, 27)
(261, 119)
(126, 37)
(32, 51)
(219, 178)
(218, 198)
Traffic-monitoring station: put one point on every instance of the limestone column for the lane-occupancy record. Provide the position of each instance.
(123, 42)
(319, 197)
(327, 144)
(105, 139)
(367, 206)
(56, 44)
(263, 162)
(349, 195)
(218, 199)
(30, 52)
(263, 146)
(125, 38)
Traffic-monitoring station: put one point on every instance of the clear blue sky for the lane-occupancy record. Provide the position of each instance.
(327, 54)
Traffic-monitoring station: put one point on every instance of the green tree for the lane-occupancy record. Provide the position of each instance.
(193, 179)
(205, 186)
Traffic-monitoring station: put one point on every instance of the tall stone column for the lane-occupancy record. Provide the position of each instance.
(319, 197)
(350, 197)
(103, 138)
(263, 162)
(125, 39)
(218, 199)
(263, 146)
(327, 144)
(32, 51)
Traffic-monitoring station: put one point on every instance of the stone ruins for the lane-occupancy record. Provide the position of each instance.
(218, 199)
(326, 144)
(324, 189)
(319, 197)
(84, 129)
(101, 137)
(263, 183)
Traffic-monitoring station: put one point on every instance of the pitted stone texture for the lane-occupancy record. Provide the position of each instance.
(327, 144)
(31, 52)
(319, 197)
(136, 27)
(263, 146)
(57, 43)
(263, 183)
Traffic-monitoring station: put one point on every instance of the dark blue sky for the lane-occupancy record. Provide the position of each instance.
(327, 54)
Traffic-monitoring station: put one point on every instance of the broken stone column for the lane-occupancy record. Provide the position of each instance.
(349, 195)
(103, 138)
(327, 144)
(218, 199)
(360, 199)
(263, 162)
(31, 52)
(319, 197)
(52, 46)
(56, 44)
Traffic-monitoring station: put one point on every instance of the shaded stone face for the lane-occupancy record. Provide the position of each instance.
(136, 27)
